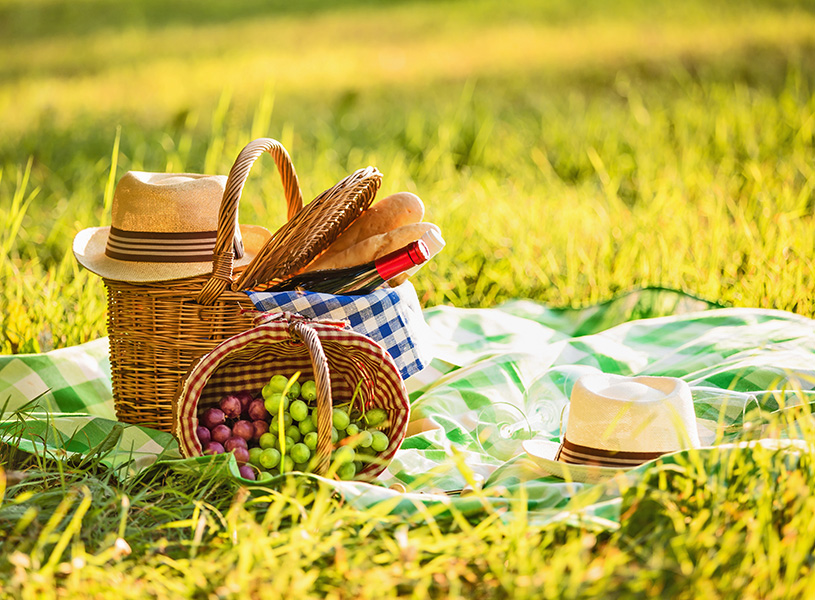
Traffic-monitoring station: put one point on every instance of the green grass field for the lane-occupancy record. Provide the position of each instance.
(567, 152)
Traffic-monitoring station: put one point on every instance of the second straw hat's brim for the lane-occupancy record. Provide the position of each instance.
(89, 249)
(543, 452)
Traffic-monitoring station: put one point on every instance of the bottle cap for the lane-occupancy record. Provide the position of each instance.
(418, 252)
(434, 243)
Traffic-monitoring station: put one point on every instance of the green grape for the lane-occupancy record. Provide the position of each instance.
(308, 391)
(357, 466)
(287, 420)
(254, 455)
(294, 390)
(306, 426)
(352, 429)
(293, 432)
(276, 385)
(366, 439)
(267, 392)
(314, 416)
(344, 454)
(335, 435)
(267, 440)
(310, 439)
(269, 458)
(300, 453)
(288, 465)
(380, 441)
(340, 418)
(263, 476)
(298, 410)
(347, 471)
(272, 403)
(289, 443)
(376, 416)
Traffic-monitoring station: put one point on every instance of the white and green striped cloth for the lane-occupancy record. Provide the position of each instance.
(498, 376)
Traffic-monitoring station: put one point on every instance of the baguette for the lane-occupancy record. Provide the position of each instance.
(399, 279)
(373, 247)
(396, 210)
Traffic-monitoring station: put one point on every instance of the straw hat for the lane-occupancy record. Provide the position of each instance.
(616, 423)
(163, 227)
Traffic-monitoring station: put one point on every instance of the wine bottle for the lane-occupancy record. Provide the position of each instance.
(360, 279)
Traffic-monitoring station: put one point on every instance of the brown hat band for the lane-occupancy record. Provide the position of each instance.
(158, 246)
(585, 455)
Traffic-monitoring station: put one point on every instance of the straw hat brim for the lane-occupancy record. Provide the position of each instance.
(543, 452)
(89, 249)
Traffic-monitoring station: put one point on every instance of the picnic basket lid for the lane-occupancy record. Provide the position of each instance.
(310, 229)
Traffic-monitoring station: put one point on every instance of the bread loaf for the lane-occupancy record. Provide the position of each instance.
(372, 247)
(399, 279)
(386, 215)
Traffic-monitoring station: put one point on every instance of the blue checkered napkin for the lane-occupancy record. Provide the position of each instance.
(391, 317)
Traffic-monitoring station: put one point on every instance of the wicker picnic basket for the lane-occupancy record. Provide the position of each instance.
(335, 357)
(156, 330)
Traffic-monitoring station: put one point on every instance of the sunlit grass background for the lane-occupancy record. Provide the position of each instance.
(569, 151)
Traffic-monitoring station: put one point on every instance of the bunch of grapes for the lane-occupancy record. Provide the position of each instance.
(277, 432)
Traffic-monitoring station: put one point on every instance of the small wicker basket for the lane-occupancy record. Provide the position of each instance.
(335, 357)
(156, 330)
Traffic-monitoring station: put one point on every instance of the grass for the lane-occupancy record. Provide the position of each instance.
(568, 153)
(735, 526)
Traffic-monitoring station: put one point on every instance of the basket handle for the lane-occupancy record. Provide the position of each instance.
(224, 255)
(322, 380)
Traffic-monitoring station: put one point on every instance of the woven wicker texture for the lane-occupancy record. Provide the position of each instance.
(337, 359)
(157, 330)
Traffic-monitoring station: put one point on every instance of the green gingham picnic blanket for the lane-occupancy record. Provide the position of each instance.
(498, 376)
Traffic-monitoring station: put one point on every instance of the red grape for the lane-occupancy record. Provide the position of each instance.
(256, 410)
(260, 427)
(214, 448)
(221, 433)
(241, 455)
(231, 406)
(243, 429)
(204, 435)
(245, 398)
(234, 442)
(247, 472)
(213, 417)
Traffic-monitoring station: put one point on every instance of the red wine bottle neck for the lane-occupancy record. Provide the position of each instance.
(401, 260)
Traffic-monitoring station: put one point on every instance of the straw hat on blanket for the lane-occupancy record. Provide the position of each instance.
(616, 423)
(163, 227)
